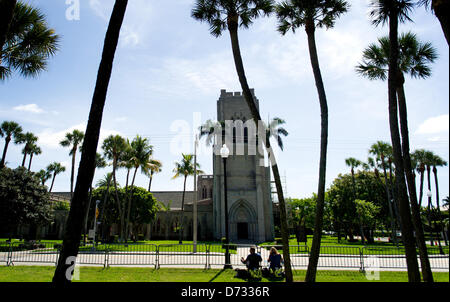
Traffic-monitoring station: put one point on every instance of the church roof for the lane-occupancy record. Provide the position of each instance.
(174, 198)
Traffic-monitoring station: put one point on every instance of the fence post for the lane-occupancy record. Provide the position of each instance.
(157, 258)
(361, 255)
(207, 255)
(106, 263)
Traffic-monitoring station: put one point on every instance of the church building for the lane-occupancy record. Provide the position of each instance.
(250, 206)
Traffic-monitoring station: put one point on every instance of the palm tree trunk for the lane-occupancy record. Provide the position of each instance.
(116, 194)
(150, 181)
(441, 8)
(233, 30)
(429, 206)
(417, 222)
(29, 164)
(180, 233)
(87, 214)
(53, 181)
(318, 223)
(6, 16)
(438, 206)
(422, 176)
(72, 173)
(129, 205)
(388, 194)
(24, 158)
(5, 149)
(86, 169)
(402, 194)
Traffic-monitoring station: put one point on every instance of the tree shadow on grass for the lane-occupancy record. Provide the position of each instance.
(217, 275)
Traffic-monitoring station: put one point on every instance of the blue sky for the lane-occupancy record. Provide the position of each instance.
(169, 68)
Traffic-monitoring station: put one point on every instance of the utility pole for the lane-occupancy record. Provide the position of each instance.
(195, 195)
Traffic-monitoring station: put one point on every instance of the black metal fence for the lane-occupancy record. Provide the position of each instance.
(213, 255)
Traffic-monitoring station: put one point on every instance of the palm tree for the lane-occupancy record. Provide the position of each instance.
(436, 161)
(382, 152)
(44, 175)
(185, 168)
(355, 163)
(73, 140)
(230, 15)
(392, 12)
(440, 8)
(154, 167)
(9, 130)
(141, 151)
(28, 43)
(74, 225)
(34, 150)
(312, 14)
(29, 139)
(114, 147)
(55, 168)
(274, 130)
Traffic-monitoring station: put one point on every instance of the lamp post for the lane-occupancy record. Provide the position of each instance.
(195, 215)
(224, 153)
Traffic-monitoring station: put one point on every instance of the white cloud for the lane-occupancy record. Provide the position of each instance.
(136, 23)
(50, 138)
(32, 108)
(434, 125)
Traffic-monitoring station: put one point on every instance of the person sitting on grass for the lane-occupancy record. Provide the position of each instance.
(275, 260)
(253, 260)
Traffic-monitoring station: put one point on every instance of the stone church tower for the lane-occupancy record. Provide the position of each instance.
(248, 180)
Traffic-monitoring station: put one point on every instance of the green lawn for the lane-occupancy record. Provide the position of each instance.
(329, 245)
(93, 274)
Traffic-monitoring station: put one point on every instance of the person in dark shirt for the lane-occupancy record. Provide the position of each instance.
(253, 260)
(275, 259)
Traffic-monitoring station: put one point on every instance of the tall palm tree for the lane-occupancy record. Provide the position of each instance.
(34, 150)
(414, 59)
(381, 150)
(141, 151)
(73, 140)
(440, 8)
(313, 14)
(28, 43)
(355, 163)
(154, 167)
(423, 158)
(185, 168)
(29, 139)
(114, 147)
(393, 12)
(74, 225)
(231, 15)
(9, 130)
(55, 169)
